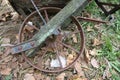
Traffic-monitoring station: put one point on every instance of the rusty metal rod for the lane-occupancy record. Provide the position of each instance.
(39, 12)
(91, 20)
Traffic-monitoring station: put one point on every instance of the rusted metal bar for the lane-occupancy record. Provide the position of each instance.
(101, 5)
(91, 20)
(24, 46)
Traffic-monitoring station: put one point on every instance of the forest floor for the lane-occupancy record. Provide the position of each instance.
(101, 59)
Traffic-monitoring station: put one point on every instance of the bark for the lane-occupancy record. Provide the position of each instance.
(24, 7)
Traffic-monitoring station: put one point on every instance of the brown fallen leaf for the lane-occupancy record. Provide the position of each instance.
(39, 76)
(64, 53)
(5, 40)
(3, 66)
(17, 36)
(61, 76)
(86, 55)
(74, 38)
(96, 42)
(79, 69)
(25, 65)
(6, 71)
(48, 78)
(1, 53)
(97, 27)
(89, 29)
(93, 52)
(29, 77)
(70, 58)
(86, 14)
(13, 65)
(94, 63)
(3, 19)
(6, 58)
(29, 27)
(106, 73)
(14, 15)
(77, 77)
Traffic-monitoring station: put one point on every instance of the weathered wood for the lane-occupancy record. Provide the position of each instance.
(59, 19)
(72, 8)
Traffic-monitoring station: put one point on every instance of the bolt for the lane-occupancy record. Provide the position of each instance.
(32, 44)
(20, 48)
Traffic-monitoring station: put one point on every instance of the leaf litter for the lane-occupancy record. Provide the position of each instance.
(80, 67)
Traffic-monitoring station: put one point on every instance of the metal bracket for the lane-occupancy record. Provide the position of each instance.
(102, 4)
(23, 46)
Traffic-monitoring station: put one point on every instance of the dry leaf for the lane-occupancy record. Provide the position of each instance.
(89, 29)
(94, 63)
(13, 65)
(15, 15)
(17, 36)
(29, 77)
(86, 14)
(48, 78)
(79, 69)
(87, 56)
(96, 42)
(93, 52)
(6, 71)
(1, 53)
(70, 58)
(9, 58)
(3, 19)
(77, 77)
(106, 73)
(97, 26)
(6, 58)
(74, 53)
(29, 27)
(5, 41)
(61, 76)
(64, 53)
(74, 38)
(25, 65)
(38, 76)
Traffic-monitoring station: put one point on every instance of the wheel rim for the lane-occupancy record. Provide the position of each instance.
(58, 40)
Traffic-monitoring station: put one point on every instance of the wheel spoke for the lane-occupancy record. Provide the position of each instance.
(46, 15)
(58, 55)
(33, 27)
(71, 33)
(41, 59)
(68, 46)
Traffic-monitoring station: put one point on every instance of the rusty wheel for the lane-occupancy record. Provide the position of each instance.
(60, 50)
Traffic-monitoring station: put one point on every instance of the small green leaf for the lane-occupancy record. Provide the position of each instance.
(115, 67)
(9, 77)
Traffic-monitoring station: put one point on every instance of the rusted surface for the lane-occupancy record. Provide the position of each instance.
(91, 20)
(54, 43)
(103, 4)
